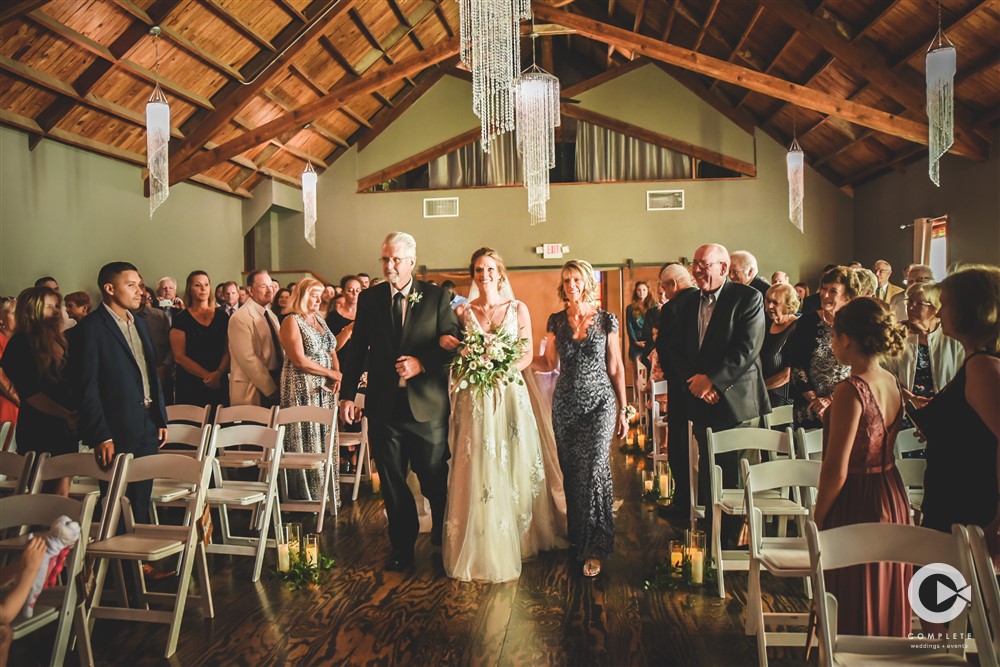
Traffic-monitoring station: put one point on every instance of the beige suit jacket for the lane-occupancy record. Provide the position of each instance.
(251, 351)
(891, 292)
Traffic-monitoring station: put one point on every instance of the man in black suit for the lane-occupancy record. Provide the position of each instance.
(398, 325)
(713, 341)
(121, 403)
(744, 270)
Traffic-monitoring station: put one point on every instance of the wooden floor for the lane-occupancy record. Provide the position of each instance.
(364, 615)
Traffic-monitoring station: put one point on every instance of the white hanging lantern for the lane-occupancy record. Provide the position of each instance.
(490, 48)
(157, 138)
(796, 183)
(941, 66)
(309, 203)
(537, 111)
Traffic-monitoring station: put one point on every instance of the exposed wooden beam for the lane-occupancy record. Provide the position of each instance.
(444, 20)
(706, 24)
(355, 116)
(863, 137)
(657, 139)
(239, 24)
(404, 21)
(14, 9)
(983, 65)
(288, 104)
(786, 46)
(420, 158)
(747, 78)
(875, 170)
(387, 117)
(640, 11)
(337, 97)
(604, 77)
(293, 10)
(234, 96)
(670, 21)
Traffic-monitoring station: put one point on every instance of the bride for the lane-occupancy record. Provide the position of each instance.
(500, 509)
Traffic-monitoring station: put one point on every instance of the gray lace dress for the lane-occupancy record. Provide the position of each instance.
(299, 388)
(583, 417)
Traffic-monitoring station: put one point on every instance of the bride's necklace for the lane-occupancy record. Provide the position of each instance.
(489, 311)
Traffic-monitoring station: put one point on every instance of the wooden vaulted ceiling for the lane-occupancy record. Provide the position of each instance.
(258, 88)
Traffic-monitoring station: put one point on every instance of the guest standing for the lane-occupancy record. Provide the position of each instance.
(9, 400)
(815, 371)
(584, 339)
(35, 361)
(635, 317)
(781, 306)
(962, 422)
(158, 325)
(310, 376)
(254, 349)
(199, 341)
(341, 317)
(282, 299)
(859, 482)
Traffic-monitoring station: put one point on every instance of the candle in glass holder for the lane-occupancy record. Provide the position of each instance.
(376, 483)
(642, 440)
(294, 537)
(312, 548)
(676, 553)
(647, 485)
(664, 485)
(697, 566)
(628, 438)
(284, 560)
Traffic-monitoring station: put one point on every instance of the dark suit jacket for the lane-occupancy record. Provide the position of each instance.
(426, 321)
(729, 356)
(110, 385)
(760, 285)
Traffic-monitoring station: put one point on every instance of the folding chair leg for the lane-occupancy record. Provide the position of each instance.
(85, 650)
(717, 548)
(362, 456)
(182, 592)
(64, 627)
(755, 613)
(204, 582)
(262, 540)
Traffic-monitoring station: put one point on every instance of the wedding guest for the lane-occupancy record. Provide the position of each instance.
(885, 290)
(815, 370)
(588, 410)
(243, 294)
(801, 291)
(916, 273)
(341, 317)
(51, 283)
(159, 335)
(779, 277)
(282, 300)
(811, 302)
(867, 282)
(254, 349)
(962, 422)
(859, 482)
(366, 280)
(744, 271)
(167, 299)
(310, 376)
(635, 316)
(17, 580)
(230, 298)
(329, 292)
(854, 264)
(456, 298)
(781, 306)
(9, 400)
(199, 341)
(77, 305)
(219, 291)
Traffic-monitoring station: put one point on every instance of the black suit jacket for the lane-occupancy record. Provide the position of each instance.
(729, 356)
(426, 321)
(109, 384)
(760, 285)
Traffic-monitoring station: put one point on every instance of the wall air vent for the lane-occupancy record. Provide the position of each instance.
(441, 207)
(664, 200)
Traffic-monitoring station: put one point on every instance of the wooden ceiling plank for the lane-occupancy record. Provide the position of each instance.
(335, 53)
(337, 97)
(15, 9)
(670, 21)
(366, 32)
(291, 9)
(985, 64)
(705, 25)
(201, 54)
(309, 80)
(875, 170)
(414, 161)
(747, 78)
(640, 12)
(443, 19)
(238, 24)
(743, 40)
(657, 139)
(403, 20)
(387, 117)
(220, 185)
(20, 122)
(289, 104)
(355, 116)
(864, 136)
(233, 97)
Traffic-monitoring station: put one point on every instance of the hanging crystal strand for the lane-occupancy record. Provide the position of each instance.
(490, 48)
(940, 65)
(157, 137)
(309, 180)
(537, 113)
(796, 183)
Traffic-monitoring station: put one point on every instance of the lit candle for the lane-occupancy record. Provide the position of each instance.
(628, 438)
(642, 440)
(647, 485)
(312, 553)
(676, 558)
(664, 485)
(283, 558)
(376, 483)
(697, 566)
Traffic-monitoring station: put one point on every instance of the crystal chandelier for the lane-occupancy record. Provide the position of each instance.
(157, 137)
(309, 181)
(490, 43)
(796, 182)
(537, 108)
(940, 66)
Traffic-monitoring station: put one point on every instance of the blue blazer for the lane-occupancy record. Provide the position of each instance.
(109, 384)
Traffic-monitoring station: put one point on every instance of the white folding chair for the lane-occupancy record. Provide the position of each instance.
(780, 416)
(195, 415)
(809, 444)
(779, 556)
(321, 462)
(83, 465)
(730, 501)
(185, 439)
(360, 440)
(6, 429)
(988, 646)
(912, 472)
(659, 420)
(694, 463)
(60, 604)
(264, 444)
(864, 543)
(906, 442)
(16, 469)
(151, 543)
(237, 415)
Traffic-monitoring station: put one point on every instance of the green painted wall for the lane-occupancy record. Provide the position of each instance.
(65, 212)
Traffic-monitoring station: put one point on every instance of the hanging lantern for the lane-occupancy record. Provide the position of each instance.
(490, 48)
(940, 65)
(536, 98)
(796, 183)
(309, 203)
(157, 137)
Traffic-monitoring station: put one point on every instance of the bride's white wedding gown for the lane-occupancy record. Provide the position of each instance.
(503, 494)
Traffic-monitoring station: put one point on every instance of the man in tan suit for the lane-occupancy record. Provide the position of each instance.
(254, 348)
(885, 290)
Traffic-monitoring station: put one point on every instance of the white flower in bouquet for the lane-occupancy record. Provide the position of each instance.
(488, 361)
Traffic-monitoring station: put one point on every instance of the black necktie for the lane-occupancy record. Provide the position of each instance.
(278, 355)
(397, 319)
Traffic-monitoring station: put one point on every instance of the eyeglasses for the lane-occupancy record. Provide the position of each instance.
(395, 261)
(918, 304)
(698, 264)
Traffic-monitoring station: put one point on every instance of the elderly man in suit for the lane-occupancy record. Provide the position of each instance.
(121, 404)
(885, 290)
(398, 327)
(255, 372)
(744, 271)
(713, 341)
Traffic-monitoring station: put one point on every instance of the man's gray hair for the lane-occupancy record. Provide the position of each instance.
(402, 237)
(745, 259)
(164, 278)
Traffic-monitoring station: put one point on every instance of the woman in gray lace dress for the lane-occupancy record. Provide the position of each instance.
(587, 410)
(310, 376)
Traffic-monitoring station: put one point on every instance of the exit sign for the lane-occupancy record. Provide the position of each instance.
(551, 250)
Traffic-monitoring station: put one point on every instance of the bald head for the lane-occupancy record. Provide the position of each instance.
(673, 279)
(710, 266)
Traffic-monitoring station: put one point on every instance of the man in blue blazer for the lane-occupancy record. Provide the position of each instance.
(121, 401)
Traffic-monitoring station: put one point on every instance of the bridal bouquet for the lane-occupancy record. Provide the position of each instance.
(488, 360)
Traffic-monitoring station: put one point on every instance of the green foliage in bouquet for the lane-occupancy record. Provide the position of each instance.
(488, 361)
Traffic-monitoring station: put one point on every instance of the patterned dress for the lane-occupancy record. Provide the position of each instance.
(583, 415)
(300, 388)
(809, 352)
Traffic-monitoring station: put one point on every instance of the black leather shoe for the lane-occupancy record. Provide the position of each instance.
(397, 563)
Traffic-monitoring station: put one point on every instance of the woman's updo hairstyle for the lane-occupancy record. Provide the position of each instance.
(870, 324)
(492, 254)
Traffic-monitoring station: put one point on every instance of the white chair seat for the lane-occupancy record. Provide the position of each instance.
(42, 616)
(230, 496)
(349, 439)
(166, 493)
(297, 461)
(916, 498)
(236, 460)
(903, 657)
(133, 546)
(767, 505)
(789, 558)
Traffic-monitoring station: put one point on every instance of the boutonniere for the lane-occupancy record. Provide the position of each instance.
(415, 297)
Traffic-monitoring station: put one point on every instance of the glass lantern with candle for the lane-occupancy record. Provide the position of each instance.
(697, 556)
